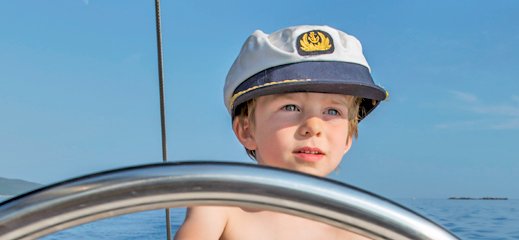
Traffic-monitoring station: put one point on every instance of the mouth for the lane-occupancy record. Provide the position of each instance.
(309, 154)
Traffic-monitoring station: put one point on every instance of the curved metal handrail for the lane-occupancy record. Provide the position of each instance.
(127, 190)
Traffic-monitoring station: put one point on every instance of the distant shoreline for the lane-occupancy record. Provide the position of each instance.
(485, 198)
(6, 195)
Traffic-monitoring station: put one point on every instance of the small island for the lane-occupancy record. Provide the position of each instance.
(13, 187)
(468, 198)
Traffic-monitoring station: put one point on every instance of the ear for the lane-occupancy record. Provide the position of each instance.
(244, 133)
(348, 144)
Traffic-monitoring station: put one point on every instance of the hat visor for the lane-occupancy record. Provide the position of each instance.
(321, 77)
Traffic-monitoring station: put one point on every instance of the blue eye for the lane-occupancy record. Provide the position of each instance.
(332, 112)
(290, 108)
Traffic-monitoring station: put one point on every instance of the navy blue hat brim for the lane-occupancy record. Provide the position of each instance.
(315, 76)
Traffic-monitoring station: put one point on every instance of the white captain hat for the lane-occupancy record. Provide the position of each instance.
(301, 59)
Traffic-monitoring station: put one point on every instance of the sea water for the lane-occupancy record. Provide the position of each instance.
(467, 219)
(471, 219)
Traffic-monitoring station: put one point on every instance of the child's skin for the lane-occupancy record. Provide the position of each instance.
(306, 132)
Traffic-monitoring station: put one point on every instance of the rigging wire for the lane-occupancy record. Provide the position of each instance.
(162, 110)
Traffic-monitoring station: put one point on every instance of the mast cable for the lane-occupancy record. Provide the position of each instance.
(162, 110)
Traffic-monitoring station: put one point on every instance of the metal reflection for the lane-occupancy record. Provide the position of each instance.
(107, 194)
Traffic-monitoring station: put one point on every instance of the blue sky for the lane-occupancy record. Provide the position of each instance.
(79, 88)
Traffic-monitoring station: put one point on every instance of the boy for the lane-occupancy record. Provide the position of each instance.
(295, 97)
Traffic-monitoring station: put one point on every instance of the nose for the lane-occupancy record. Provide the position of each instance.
(312, 126)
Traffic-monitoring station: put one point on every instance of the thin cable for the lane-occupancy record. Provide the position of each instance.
(162, 110)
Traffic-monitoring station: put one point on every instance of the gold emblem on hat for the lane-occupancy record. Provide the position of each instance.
(311, 42)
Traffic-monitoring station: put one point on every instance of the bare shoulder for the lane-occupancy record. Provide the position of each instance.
(231, 223)
(343, 234)
(203, 222)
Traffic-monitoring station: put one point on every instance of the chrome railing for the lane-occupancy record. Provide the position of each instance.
(107, 194)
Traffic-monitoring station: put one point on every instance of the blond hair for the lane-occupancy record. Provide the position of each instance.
(246, 111)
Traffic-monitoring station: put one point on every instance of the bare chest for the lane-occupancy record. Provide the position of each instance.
(243, 225)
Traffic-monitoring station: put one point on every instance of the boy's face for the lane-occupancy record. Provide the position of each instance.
(306, 132)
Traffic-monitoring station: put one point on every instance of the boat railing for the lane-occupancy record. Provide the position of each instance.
(167, 185)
